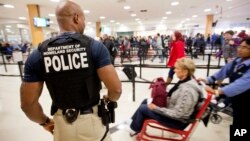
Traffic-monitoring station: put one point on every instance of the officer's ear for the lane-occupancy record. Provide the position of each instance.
(76, 18)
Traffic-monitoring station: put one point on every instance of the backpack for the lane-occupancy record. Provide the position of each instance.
(158, 92)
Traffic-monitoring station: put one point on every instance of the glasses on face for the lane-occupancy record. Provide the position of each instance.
(244, 47)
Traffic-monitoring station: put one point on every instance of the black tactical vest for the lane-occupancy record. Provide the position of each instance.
(69, 72)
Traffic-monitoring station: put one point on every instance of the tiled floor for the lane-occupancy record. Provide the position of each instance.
(15, 126)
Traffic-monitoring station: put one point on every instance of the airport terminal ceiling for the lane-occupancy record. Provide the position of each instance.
(147, 13)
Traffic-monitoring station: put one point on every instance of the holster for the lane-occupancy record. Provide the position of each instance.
(107, 113)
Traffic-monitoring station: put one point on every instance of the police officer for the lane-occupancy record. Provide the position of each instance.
(72, 65)
(238, 72)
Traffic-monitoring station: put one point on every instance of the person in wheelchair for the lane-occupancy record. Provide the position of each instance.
(180, 105)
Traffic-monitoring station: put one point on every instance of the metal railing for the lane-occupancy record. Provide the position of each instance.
(141, 65)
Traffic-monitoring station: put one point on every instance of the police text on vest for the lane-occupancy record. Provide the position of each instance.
(63, 58)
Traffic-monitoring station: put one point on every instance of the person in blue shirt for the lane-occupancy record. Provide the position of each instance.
(72, 65)
(238, 72)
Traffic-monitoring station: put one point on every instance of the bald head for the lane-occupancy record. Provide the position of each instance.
(70, 17)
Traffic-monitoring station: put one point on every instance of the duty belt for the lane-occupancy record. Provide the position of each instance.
(71, 114)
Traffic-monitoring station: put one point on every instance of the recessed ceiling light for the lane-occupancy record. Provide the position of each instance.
(8, 6)
(230, 7)
(86, 11)
(137, 19)
(168, 12)
(89, 22)
(8, 26)
(52, 15)
(175, 3)
(133, 15)
(55, 0)
(7, 29)
(22, 18)
(207, 10)
(112, 21)
(117, 23)
(187, 19)
(164, 18)
(194, 16)
(102, 17)
(229, 0)
(126, 7)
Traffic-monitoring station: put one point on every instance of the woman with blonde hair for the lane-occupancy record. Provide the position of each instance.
(180, 105)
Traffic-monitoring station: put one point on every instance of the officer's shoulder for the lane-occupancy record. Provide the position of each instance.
(88, 38)
(42, 44)
(94, 42)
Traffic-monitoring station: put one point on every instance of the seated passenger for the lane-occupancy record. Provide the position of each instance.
(183, 99)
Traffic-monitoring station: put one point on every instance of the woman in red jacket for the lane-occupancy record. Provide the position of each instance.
(177, 51)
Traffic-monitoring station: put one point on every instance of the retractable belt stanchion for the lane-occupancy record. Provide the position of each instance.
(208, 64)
(219, 61)
(4, 63)
(140, 66)
(133, 82)
(20, 66)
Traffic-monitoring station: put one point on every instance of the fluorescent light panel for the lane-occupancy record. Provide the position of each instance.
(168, 12)
(8, 6)
(54, 0)
(207, 10)
(22, 18)
(102, 17)
(86, 11)
(126, 7)
(133, 15)
(175, 3)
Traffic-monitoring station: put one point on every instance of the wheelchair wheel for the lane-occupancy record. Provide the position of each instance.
(215, 118)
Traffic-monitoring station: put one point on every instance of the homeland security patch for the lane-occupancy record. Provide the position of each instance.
(65, 57)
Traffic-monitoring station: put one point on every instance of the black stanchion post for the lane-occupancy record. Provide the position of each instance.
(133, 82)
(208, 64)
(219, 61)
(20, 66)
(4, 63)
(143, 54)
(140, 66)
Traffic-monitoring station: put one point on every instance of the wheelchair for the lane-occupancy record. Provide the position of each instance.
(183, 135)
(215, 117)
